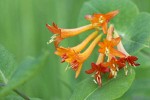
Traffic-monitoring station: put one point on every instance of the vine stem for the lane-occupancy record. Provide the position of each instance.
(17, 92)
(21, 94)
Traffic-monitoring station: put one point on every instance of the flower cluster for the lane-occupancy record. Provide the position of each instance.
(112, 55)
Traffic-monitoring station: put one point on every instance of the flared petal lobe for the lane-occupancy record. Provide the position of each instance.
(98, 69)
(101, 20)
(107, 47)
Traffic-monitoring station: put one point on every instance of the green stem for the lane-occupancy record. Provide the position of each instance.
(21, 94)
(17, 91)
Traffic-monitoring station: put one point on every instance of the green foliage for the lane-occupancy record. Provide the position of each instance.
(111, 89)
(13, 97)
(134, 28)
(7, 65)
(11, 77)
(144, 57)
(137, 36)
(23, 32)
(25, 70)
(137, 90)
(121, 21)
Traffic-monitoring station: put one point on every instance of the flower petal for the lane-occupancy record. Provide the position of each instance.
(78, 71)
(131, 60)
(104, 27)
(115, 41)
(104, 69)
(88, 17)
(111, 14)
(116, 53)
(57, 40)
(54, 29)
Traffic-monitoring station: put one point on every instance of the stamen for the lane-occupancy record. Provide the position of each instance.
(94, 81)
(107, 51)
(115, 74)
(97, 78)
(114, 65)
(52, 39)
(68, 67)
(96, 72)
(112, 72)
(126, 70)
(117, 68)
(101, 19)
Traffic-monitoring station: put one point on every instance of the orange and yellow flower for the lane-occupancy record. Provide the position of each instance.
(112, 55)
(108, 45)
(60, 33)
(73, 55)
(101, 19)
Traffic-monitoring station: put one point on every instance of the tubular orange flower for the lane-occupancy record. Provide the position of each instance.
(101, 19)
(60, 33)
(66, 52)
(73, 55)
(112, 55)
(107, 47)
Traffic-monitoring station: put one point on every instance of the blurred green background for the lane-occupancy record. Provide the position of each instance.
(23, 33)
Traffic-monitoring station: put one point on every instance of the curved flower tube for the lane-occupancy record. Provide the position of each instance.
(73, 55)
(60, 33)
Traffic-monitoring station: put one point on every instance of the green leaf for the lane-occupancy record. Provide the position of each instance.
(143, 6)
(111, 89)
(132, 26)
(35, 99)
(25, 71)
(7, 64)
(12, 97)
(144, 57)
(140, 88)
(121, 21)
(138, 34)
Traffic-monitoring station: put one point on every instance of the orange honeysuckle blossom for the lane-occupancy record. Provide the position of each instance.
(112, 54)
(116, 58)
(60, 33)
(101, 19)
(108, 45)
(68, 52)
(73, 55)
